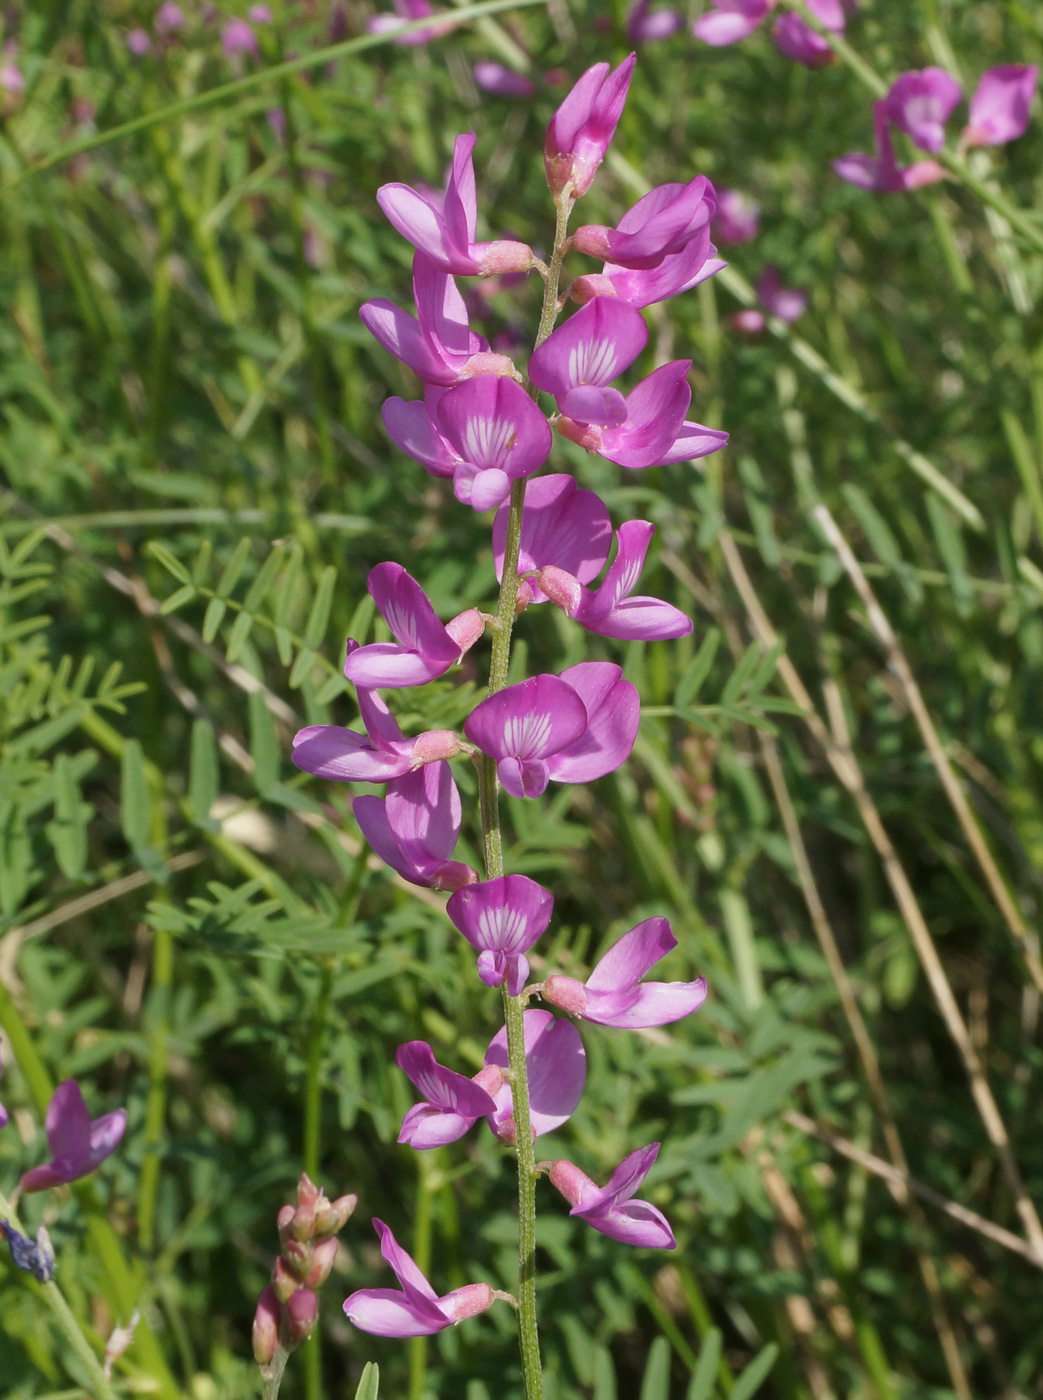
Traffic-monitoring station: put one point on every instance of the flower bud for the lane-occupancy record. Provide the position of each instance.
(284, 1283)
(303, 1226)
(332, 1216)
(297, 1257)
(308, 1194)
(323, 1256)
(583, 126)
(284, 1223)
(266, 1327)
(300, 1316)
(565, 992)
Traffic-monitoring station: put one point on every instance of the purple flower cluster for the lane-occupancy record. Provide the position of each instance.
(731, 21)
(480, 426)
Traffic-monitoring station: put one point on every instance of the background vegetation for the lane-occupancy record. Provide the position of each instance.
(196, 482)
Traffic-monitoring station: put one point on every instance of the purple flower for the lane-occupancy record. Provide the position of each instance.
(796, 40)
(655, 432)
(730, 21)
(425, 647)
(405, 12)
(138, 43)
(452, 1103)
(577, 362)
(920, 103)
(78, 1143)
(447, 234)
(645, 26)
(436, 344)
(571, 728)
(379, 755)
(882, 172)
(501, 81)
(669, 218)
(259, 14)
(1001, 105)
(737, 219)
(561, 525)
(611, 1209)
(169, 18)
(416, 1310)
(414, 829)
(237, 38)
(35, 1258)
(677, 273)
(582, 128)
(614, 995)
(498, 434)
(502, 918)
(557, 1066)
(609, 610)
(787, 303)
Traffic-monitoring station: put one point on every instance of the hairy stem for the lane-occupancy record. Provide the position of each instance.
(513, 1007)
(272, 1374)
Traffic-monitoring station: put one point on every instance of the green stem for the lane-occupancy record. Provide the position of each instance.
(488, 790)
(272, 1373)
(100, 1385)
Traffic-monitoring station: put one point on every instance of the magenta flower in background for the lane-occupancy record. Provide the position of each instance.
(581, 130)
(557, 1065)
(138, 43)
(502, 81)
(259, 14)
(414, 829)
(796, 40)
(881, 172)
(78, 1143)
(502, 918)
(655, 432)
(614, 995)
(578, 361)
(645, 25)
(170, 18)
(425, 647)
(498, 434)
(437, 344)
(452, 1103)
(238, 38)
(609, 610)
(405, 12)
(446, 235)
(1002, 104)
(920, 103)
(677, 273)
(571, 728)
(561, 525)
(611, 1209)
(731, 21)
(787, 303)
(416, 1310)
(3, 1111)
(738, 217)
(670, 216)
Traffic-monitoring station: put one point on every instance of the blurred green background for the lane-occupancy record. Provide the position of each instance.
(195, 484)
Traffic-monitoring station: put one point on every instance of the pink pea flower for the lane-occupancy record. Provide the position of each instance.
(259, 14)
(78, 1143)
(611, 1209)
(452, 1103)
(614, 995)
(731, 21)
(501, 81)
(1002, 104)
(738, 217)
(405, 12)
(654, 433)
(582, 128)
(645, 25)
(138, 43)
(12, 79)
(609, 610)
(498, 434)
(571, 728)
(787, 303)
(920, 103)
(170, 18)
(447, 235)
(557, 1066)
(577, 362)
(238, 38)
(416, 1310)
(414, 829)
(677, 273)
(502, 919)
(437, 344)
(382, 753)
(425, 648)
(561, 525)
(882, 172)
(671, 217)
(797, 40)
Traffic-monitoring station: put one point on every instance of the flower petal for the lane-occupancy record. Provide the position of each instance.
(530, 720)
(613, 713)
(557, 1066)
(592, 347)
(631, 956)
(384, 1312)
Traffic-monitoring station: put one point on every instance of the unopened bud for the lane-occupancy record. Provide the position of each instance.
(308, 1194)
(323, 1256)
(284, 1283)
(303, 1226)
(334, 1215)
(300, 1316)
(266, 1327)
(297, 1256)
(565, 992)
(284, 1222)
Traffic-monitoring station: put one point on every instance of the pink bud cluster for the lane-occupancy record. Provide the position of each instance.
(481, 426)
(288, 1308)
